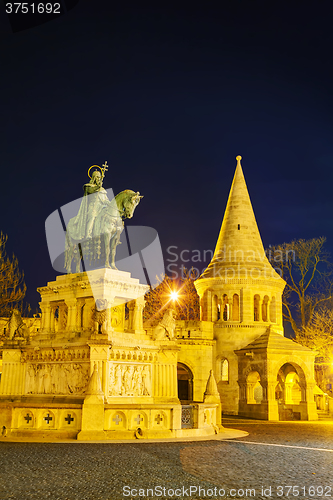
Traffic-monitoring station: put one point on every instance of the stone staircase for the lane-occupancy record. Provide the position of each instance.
(324, 415)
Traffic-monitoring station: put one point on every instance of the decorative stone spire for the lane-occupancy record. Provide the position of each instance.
(239, 250)
(94, 389)
(211, 393)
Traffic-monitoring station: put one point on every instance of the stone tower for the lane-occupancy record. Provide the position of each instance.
(240, 292)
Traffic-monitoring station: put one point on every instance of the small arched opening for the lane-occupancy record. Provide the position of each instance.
(215, 309)
(264, 307)
(256, 302)
(254, 391)
(224, 370)
(225, 306)
(290, 391)
(235, 307)
(272, 311)
(185, 382)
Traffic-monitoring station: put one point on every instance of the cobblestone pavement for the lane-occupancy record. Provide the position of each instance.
(240, 468)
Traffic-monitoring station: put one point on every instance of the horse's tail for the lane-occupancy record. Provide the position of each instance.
(67, 264)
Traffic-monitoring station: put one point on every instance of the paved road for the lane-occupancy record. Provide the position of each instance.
(299, 455)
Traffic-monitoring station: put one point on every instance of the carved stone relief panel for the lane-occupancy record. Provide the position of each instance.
(129, 380)
(56, 378)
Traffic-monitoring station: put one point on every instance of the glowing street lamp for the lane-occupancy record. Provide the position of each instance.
(174, 295)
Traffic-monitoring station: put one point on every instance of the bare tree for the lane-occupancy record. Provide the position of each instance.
(12, 285)
(318, 335)
(305, 267)
(179, 294)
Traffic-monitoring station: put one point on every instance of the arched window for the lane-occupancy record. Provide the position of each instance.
(215, 309)
(256, 307)
(225, 308)
(82, 316)
(264, 308)
(225, 370)
(272, 310)
(235, 307)
(254, 391)
(185, 382)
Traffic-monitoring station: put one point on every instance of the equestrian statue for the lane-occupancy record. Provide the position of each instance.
(95, 231)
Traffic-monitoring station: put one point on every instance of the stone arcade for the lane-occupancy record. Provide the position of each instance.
(89, 374)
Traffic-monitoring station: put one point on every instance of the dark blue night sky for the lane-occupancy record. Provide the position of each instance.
(169, 97)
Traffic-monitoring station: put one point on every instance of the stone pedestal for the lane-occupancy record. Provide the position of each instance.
(87, 374)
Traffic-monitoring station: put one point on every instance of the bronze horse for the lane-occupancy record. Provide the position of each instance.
(107, 229)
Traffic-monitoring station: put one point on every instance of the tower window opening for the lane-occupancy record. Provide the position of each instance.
(238, 226)
(235, 307)
(256, 307)
(226, 312)
(225, 370)
(264, 307)
(225, 308)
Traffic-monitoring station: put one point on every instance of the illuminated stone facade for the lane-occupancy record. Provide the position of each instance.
(88, 373)
(241, 295)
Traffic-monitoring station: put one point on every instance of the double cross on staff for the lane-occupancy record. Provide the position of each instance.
(105, 168)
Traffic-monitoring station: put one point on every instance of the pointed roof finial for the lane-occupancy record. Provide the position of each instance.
(238, 158)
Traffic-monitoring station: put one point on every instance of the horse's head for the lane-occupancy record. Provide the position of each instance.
(130, 201)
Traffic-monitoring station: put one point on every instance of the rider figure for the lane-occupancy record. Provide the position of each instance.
(96, 201)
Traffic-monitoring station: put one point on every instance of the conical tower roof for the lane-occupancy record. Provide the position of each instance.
(239, 250)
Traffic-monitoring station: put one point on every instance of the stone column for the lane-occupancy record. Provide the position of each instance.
(269, 310)
(242, 391)
(260, 302)
(202, 309)
(250, 393)
(92, 424)
(11, 379)
(108, 326)
(52, 318)
(130, 306)
(135, 322)
(230, 309)
(79, 314)
(247, 306)
(46, 316)
(309, 410)
(288, 393)
(208, 305)
(269, 401)
(99, 355)
(71, 319)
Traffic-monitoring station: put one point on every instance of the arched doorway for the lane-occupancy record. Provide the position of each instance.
(185, 382)
(290, 391)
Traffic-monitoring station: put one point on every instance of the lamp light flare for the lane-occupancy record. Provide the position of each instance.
(174, 295)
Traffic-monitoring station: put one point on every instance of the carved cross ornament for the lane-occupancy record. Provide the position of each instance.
(69, 419)
(117, 419)
(159, 419)
(138, 419)
(48, 418)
